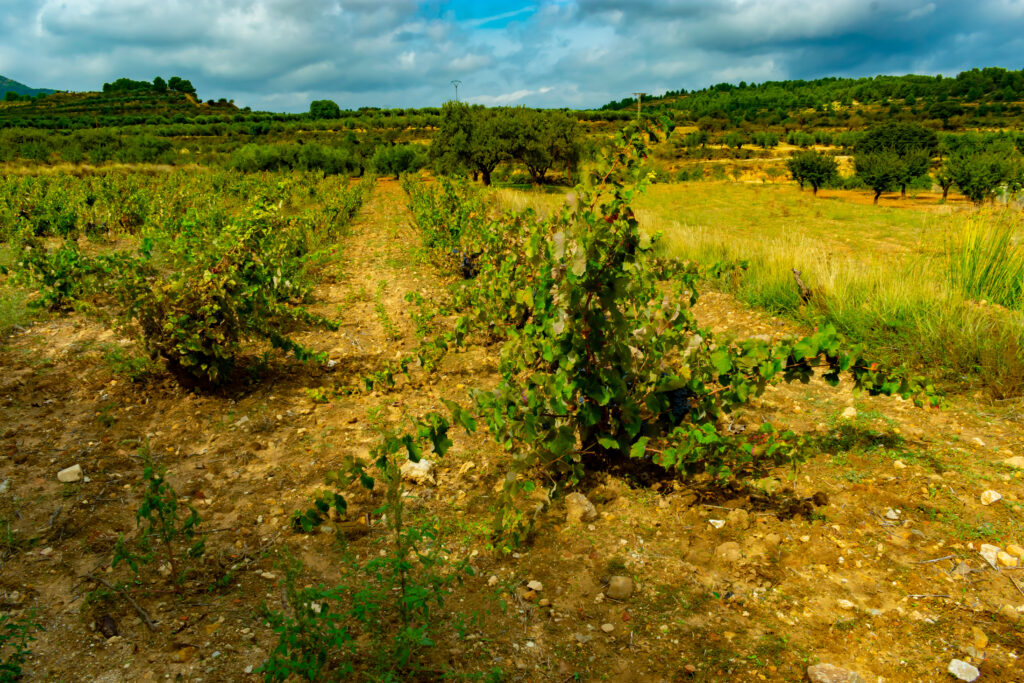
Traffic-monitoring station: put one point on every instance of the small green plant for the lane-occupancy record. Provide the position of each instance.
(390, 598)
(164, 533)
(15, 635)
(391, 332)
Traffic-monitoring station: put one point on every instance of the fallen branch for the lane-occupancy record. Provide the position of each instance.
(937, 559)
(143, 614)
(805, 292)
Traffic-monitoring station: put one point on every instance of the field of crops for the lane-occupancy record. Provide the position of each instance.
(287, 426)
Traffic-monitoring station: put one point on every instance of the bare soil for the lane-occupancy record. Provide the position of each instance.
(867, 556)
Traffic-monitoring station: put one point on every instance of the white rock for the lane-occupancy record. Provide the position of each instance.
(988, 497)
(900, 465)
(849, 414)
(5, 485)
(990, 553)
(717, 523)
(1016, 461)
(579, 509)
(418, 472)
(535, 586)
(892, 514)
(845, 604)
(493, 581)
(963, 671)
(978, 441)
(70, 475)
(607, 628)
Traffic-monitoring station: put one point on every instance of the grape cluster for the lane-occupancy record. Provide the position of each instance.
(679, 403)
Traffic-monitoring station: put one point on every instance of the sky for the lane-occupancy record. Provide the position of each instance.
(279, 55)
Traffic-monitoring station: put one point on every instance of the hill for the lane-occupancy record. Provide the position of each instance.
(112, 108)
(988, 97)
(9, 85)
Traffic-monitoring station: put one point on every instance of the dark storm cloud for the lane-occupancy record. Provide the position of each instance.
(280, 54)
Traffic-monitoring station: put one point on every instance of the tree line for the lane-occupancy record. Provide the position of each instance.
(892, 156)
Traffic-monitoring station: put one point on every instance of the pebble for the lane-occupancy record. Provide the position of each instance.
(579, 509)
(69, 475)
(418, 472)
(268, 575)
(962, 670)
(892, 514)
(830, 673)
(535, 586)
(1005, 559)
(1016, 461)
(900, 465)
(845, 604)
(620, 588)
(990, 496)
(849, 413)
(772, 540)
(607, 628)
(1010, 613)
(717, 523)
(1015, 550)
(493, 581)
(5, 485)
(990, 553)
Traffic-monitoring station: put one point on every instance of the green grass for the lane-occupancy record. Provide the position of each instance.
(916, 286)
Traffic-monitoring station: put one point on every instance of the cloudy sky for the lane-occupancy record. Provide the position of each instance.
(280, 54)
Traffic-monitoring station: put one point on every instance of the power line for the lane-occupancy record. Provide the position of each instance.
(456, 84)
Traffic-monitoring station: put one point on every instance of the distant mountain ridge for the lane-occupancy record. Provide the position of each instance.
(7, 84)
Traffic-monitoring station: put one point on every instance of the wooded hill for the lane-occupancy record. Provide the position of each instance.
(989, 97)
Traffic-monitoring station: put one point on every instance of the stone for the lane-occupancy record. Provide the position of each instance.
(5, 485)
(990, 553)
(535, 586)
(493, 581)
(717, 523)
(900, 465)
(421, 472)
(1015, 550)
(830, 673)
(607, 628)
(738, 518)
(962, 670)
(1005, 559)
(70, 475)
(849, 413)
(845, 604)
(1016, 461)
(620, 588)
(990, 496)
(579, 509)
(891, 514)
(979, 637)
(728, 552)
(185, 654)
(1010, 613)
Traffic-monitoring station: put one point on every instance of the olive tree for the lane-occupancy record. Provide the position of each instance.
(813, 168)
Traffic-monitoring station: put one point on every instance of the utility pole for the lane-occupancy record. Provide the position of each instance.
(456, 84)
(639, 97)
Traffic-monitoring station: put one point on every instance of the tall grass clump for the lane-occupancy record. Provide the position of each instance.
(986, 259)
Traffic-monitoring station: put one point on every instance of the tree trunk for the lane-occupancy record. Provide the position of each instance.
(903, 191)
(945, 192)
(486, 175)
(878, 193)
(814, 190)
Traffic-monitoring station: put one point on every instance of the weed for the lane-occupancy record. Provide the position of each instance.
(15, 635)
(159, 517)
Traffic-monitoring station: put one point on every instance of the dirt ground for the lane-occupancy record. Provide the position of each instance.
(866, 556)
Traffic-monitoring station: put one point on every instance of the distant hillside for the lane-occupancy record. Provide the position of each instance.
(6, 84)
(989, 97)
(65, 110)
